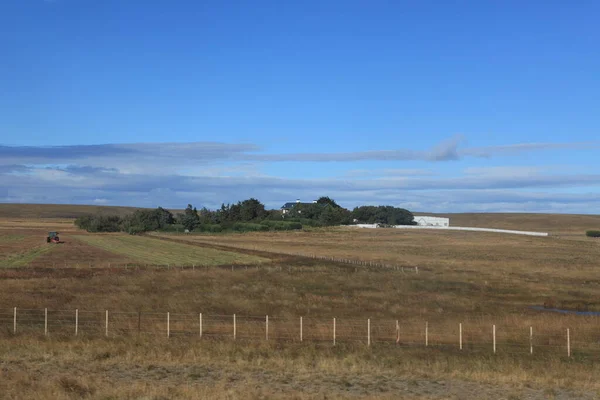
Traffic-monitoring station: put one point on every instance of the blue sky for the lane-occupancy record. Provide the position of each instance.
(433, 106)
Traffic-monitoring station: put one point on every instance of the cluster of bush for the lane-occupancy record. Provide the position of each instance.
(245, 216)
(162, 220)
(137, 222)
(593, 233)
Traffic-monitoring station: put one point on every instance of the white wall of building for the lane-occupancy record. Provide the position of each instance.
(424, 220)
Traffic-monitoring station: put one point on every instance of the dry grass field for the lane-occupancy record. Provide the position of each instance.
(556, 224)
(464, 277)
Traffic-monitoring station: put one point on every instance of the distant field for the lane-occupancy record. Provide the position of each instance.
(152, 251)
(552, 223)
(60, 211)
(485, 253)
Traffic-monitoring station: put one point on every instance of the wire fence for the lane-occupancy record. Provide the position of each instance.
(582, 339)
(305, 255)
(343, 266)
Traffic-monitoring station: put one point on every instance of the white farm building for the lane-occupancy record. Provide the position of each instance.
(424, 220)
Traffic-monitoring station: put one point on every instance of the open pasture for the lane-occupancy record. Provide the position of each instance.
(518, 270)
(566, 225)
(157, 252)
(34, 213)
(20, 247)
(474, 279)
(26, 247)
(346, 370)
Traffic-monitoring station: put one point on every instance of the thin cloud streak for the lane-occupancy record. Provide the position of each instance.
(187, 153)
(209, 173)
(84, 185)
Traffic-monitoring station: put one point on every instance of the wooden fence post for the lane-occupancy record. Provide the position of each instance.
(106, 325)
(15, 320)
(568, 343)
(45, 322)
(267, 327)
(369, 332)
(234, 328)
(531, 340)
(200, 320)
(168, 324)
(494, 336)
(334, 331)
(76, 321)
(460, 335)
(301, 329)
(426, 334)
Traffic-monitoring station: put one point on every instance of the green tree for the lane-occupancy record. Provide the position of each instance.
(328, 201)
(383, 215)
(165, 217)
(251, 210)
(190, 219)
(207, 216)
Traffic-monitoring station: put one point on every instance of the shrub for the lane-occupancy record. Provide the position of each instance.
(99, 223)
(282, 225)
(135, 230)
(593, 233)
(306, 222)
(212, 228)
(173, 228)
(215, 228)
(249, 227)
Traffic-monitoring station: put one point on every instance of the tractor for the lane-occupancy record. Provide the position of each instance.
(52, 237)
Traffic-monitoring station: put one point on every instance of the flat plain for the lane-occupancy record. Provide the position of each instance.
(473, 279)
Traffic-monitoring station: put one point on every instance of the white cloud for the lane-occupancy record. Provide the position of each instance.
(207, 174)
(139, 157)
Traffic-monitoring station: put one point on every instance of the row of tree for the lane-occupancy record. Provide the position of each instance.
(137, 222)
(247, 215)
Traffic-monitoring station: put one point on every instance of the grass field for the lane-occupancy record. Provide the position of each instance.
(556, 224)
(156, 252)
(20, 248)
(482, 267)
(35, 212)
(464, 277)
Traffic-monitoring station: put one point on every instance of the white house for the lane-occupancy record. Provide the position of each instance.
(424, 220)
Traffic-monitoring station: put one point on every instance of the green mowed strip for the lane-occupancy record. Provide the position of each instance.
(24, 258)
(11, 237)
(158, 252)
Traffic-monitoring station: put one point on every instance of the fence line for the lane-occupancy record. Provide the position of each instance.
(358, 264)
(313, 256)
(508, 339)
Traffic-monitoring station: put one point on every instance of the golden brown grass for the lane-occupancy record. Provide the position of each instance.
(57, 211)
(464, 277)
(151, 252)
(521, 270)
(199, 369)
(555, 224)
